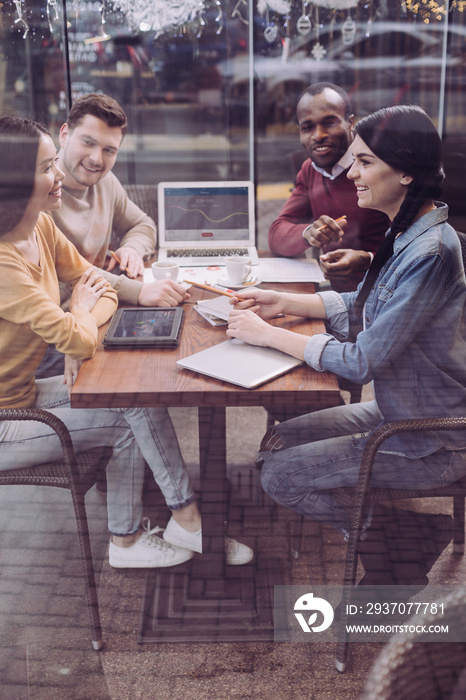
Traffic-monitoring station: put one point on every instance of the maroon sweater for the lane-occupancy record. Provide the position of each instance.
(315, 195)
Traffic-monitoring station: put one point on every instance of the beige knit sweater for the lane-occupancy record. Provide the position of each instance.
(89, 217)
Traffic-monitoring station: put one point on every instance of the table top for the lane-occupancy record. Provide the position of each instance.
(151, 377)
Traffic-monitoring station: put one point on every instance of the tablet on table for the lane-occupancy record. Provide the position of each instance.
(147, 327)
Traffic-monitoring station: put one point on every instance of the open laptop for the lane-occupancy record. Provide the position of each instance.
(240, 363)
(200, 223)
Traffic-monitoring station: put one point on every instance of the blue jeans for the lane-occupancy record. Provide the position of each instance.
(136, 435)
(323, 450)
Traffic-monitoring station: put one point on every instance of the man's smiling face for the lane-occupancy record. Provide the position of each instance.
(325, 131)
(88, 152)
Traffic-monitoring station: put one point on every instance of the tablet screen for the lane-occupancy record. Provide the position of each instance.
(150, 327)
(145, 324)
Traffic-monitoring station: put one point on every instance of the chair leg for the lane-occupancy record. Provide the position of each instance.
(297, 537)
(458, 528)
(88, 568)
(270, 421)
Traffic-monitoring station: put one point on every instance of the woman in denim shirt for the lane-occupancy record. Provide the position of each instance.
(404, 330)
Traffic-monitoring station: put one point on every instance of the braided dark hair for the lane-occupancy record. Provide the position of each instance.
(405, 138)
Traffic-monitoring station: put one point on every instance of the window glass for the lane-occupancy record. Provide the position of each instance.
(210, 97)
(184, 87)
(32, 69)
(380, 53)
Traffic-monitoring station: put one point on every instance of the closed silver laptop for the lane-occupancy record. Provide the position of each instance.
(240, 363)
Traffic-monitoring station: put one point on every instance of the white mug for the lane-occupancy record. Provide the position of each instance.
(165, 270)
(238, 268)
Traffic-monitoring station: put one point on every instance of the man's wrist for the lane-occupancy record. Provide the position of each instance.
(304, 233)
(366, 260)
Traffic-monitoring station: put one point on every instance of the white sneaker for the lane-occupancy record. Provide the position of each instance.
(149, 551)
(236, 552)
(177, 535)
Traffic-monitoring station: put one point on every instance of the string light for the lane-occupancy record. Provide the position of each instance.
(431, 10)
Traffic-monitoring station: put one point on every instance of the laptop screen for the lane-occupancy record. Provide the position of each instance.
(206, 213)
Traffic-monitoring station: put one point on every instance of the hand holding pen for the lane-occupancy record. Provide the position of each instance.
(324, 230)
(128, 259)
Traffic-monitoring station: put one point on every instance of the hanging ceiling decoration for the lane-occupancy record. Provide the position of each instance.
(335, 4)
(20, 18)
(158, 15)
(282, 7)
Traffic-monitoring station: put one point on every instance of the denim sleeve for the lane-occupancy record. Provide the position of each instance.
(313, 350)
(395, 314)
(337, 321)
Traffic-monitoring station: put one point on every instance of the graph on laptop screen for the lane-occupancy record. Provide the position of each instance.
(206, 214)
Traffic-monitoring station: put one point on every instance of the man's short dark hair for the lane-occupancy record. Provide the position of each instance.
(100, 106)
(318, 88)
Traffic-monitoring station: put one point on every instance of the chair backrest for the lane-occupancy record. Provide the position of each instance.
(407, 668)
(145, 196)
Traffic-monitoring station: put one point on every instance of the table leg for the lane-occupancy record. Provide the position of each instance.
(210, 568)
(205, 599)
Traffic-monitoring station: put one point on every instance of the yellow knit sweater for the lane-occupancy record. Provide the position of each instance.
(30, 313)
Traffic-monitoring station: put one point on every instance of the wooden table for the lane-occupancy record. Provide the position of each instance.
(204, 599)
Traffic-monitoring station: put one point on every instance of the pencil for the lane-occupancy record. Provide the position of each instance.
(340, 218)
(209, 288)
(115, 257)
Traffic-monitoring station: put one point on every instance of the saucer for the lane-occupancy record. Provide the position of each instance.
(225, 282)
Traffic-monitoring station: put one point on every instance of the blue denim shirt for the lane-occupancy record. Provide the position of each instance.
(413, 346)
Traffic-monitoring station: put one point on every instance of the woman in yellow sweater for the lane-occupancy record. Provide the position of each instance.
(34, 257)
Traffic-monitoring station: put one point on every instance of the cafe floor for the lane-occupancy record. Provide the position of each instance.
(45, 645)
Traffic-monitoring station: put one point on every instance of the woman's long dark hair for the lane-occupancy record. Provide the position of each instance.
(19, 143)
(404, 138)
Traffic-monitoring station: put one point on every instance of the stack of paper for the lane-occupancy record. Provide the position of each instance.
(289, 270)
(216, 310)
(268, 270)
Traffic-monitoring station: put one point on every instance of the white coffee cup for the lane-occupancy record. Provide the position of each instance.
(238, 268)
(164, 269)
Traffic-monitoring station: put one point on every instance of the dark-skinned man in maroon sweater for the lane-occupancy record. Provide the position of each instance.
(323, 194)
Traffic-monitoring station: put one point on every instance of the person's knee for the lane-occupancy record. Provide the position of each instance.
(270, 478)
(271, 442)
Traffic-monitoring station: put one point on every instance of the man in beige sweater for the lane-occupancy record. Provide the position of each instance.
(95, 206)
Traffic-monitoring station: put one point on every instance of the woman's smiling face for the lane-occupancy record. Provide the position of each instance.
(46, 195)
(378, 185)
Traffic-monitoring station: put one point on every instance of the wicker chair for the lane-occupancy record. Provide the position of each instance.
(78, 473)
(356, 499)
(145, 196)
(428, 671)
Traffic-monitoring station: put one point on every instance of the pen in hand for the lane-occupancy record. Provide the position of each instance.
(337, 221)
(115, 257)
(209, 288)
